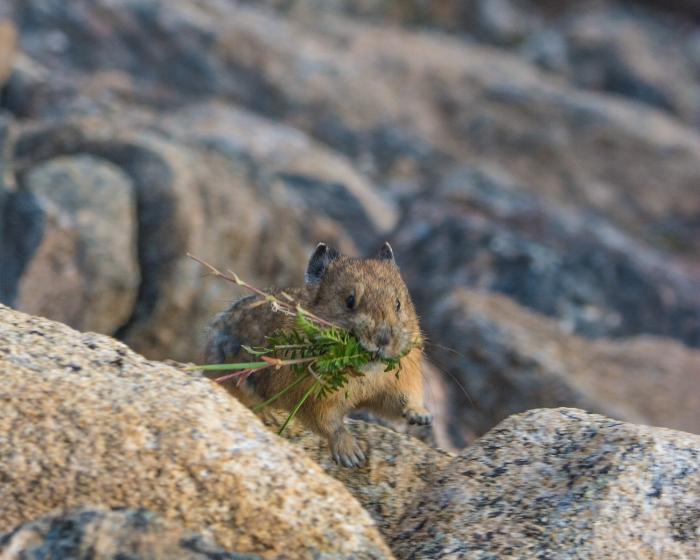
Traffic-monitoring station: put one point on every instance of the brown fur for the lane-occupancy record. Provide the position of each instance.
(375, 320)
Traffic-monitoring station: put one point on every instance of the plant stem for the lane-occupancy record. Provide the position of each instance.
(279, 363)
(269, 297)
(243, 373)
(297, 407)
(282, 392)
(214, 367)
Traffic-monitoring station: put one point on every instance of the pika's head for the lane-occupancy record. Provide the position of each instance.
(366, 296)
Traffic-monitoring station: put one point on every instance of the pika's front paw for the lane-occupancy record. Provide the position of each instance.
(418, 416)
(345, 451)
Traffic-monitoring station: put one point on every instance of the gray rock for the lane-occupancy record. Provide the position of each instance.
(421, 100)
(500, 22)
(561, 484)
(84, 271)
(198, 191)
(502, 359)
(87, 533)
(288, 164)
(635, 55)
(397, 467)
(482, 231)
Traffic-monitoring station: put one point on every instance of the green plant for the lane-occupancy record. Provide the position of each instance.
(313, 348)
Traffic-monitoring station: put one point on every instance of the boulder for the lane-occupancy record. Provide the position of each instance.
(642, 57)
(396, 470)
(83, 533)
(187, 200)
(84, 272)
(8, 40)
(289, 165)
(479, 230)
(503, 359)
(84, 420)
(562, 484)
(400, 103)
(231, 188)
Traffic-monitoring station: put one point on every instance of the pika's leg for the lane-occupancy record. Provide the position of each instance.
(394, 404)
(416, 413)
(343, 446)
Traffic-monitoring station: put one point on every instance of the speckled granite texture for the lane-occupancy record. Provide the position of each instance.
(88, 533)
(396, 470)
(84, 420)
(562, 484)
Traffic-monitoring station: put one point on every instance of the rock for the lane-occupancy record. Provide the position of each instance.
(500, 22)
(561, 484)
(188, 200)
(289, 165)
(29, 90)
(481, 231)
(402, 103)
(87, 532)
(504, 359)
(620, 51)
(397, 467)
(87, 421)
(87, 255)
(8, 39)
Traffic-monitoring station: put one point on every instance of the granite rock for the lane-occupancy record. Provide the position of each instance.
(213, 181)
(84, 420)
(190, 198)
(386, 484)
(399, 103)
(83, 533)
(480, 230)
(87, 253)
(8, 40)
(562, 484)
(636, 55)
(503, 359)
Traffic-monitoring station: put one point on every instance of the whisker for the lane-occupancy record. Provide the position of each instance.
(445, 370)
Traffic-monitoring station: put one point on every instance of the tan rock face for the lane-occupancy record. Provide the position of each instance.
(512, 359)
(83, 420)
(8, 38)
(89, 210)
(563, 484)
(90, 532)
(397, 467)
(229, 187)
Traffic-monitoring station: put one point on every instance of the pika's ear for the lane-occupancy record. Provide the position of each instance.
(385, 253)
(319, 261)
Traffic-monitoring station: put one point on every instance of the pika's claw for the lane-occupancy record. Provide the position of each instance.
(418, 416)
(345, 451)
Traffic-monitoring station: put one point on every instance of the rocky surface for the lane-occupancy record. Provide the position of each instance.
(84, 420)
(8, 38)
(396, 470)
(87, 254)
(208, 194)
(562, 484)
(547, 151)
(84, 533)
(512, 359)
(482, 233)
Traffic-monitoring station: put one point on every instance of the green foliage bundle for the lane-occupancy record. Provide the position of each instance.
(313, 348)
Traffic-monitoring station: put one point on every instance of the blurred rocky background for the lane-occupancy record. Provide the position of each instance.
(535, 165)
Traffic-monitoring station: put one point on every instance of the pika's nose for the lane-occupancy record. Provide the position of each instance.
(381, 337)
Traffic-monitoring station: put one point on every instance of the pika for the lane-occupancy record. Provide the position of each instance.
(365, 296)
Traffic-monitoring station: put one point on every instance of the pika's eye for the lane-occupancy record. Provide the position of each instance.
(398, 305)
(350, 302)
